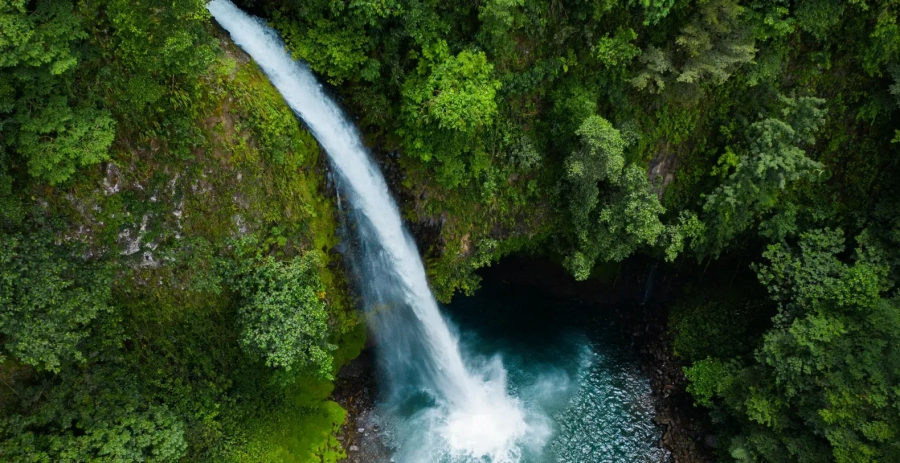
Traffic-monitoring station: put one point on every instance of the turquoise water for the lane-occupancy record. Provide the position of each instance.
(567, 367)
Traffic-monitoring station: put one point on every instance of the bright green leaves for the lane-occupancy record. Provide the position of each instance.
(283, 313)
(630, 218)
(333, 37)
(161, 47)
(39, 35)
(59, 139)
(334, 50)
(771, 19)
(816, 276)
(600, 159)
(457, 95)
(48, 298)
(60, 118)
(127, 432)
(769, 162)
(835, 338)
(884, 41)
(613, 209)
(37, 59)
(686, 228)
(271, 122)
(618, 49)
(705, 377)
(611, 222)
(161, 37)
(93, 414)
(446, 107)
(461, 93)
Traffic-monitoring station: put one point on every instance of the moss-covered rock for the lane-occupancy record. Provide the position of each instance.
(165, 223)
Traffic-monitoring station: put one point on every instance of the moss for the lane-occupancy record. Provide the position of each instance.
(301, 430)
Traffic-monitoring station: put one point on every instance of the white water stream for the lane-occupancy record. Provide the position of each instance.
(469, 414)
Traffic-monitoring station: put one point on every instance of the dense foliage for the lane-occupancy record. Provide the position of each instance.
(165, 292)
(165, 288)
(282, 312)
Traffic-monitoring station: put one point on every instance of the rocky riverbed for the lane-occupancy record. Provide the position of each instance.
(355, 390)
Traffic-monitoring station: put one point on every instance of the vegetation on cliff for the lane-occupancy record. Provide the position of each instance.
(167, 285)
(157, 196)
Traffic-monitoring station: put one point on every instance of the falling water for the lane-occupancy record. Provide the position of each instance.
(468, 412)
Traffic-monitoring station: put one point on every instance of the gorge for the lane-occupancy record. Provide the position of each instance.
(451, 231)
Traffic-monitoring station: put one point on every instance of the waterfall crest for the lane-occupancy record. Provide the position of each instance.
(470, 414)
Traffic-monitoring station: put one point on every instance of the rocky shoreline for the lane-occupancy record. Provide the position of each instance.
(685, 428)
(355, 390)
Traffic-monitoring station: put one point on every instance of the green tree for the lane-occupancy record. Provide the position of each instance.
(156, 52)
(612, 222)
(769, 162)
(83, 418)
(599, 160)
(58, 140)
(282, 313)
(826, 382)
(333, 37)
(618, 49)
(707, 50)
(498, 19)
(446, 107)
(39, 34)
(654, 10)
(48, 299)
(53, 130)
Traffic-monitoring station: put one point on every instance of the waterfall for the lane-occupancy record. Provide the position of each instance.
(468, 413)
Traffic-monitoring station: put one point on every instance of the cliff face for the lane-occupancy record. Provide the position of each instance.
(164, 222)
(252, 169)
